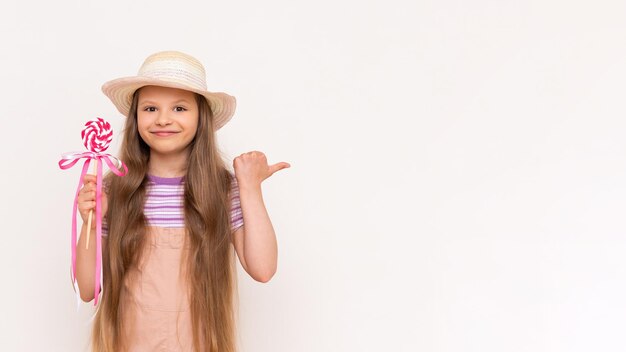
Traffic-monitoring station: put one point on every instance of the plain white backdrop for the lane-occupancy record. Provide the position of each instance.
(458, 167)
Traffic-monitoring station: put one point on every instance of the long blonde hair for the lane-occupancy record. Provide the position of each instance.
(210, 263)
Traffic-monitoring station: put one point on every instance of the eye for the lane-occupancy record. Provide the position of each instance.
(179, 109)
(149, 108)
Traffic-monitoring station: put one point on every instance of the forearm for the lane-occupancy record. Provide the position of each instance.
(260, 247)
(86, 264)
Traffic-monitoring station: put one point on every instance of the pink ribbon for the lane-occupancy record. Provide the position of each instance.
(67, 161)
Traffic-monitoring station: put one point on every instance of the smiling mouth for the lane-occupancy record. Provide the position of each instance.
(164, 133)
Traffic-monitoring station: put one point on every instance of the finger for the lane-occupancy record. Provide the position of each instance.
(278, 166)
(86, 190)
(89, 178)
(87, 196)
(254, 153)
(86, 206)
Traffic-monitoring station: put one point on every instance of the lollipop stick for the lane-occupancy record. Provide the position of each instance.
(95, 172)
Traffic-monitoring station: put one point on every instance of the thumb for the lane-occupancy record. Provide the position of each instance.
(278, 166)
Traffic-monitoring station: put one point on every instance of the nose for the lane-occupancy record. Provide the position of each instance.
(164, 118)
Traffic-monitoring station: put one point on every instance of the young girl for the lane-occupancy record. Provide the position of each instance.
(172, 222)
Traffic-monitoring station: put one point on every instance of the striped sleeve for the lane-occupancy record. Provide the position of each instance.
(236, 215)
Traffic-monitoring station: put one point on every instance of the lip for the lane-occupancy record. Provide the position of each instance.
(164, 133)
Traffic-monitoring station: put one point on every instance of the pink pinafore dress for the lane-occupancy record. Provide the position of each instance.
(155, 293)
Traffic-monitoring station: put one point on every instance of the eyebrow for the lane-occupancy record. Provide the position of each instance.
(176, 102)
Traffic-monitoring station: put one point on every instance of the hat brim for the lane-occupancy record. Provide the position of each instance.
(121, 91)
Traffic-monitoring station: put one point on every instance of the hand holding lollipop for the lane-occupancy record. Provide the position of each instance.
(96, 136)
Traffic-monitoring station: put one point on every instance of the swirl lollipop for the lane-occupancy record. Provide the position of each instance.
(97, 136)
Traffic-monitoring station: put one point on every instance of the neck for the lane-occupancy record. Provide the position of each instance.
(167, 165)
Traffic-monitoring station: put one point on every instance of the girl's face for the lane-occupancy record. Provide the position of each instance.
(167, 119)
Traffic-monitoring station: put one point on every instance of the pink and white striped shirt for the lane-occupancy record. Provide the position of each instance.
(164, 204)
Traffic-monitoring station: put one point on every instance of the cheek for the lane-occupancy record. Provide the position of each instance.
(143, 136)
(142, 126)
(192, 124)
(141, 120)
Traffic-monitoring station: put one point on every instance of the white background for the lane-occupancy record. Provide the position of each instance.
(458, 167)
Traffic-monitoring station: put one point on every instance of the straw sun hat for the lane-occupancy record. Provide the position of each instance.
(171, 69)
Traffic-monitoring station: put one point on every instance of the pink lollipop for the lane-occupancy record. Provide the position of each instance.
(97, 135)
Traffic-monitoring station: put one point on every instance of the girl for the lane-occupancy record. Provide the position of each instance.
(172, 222)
